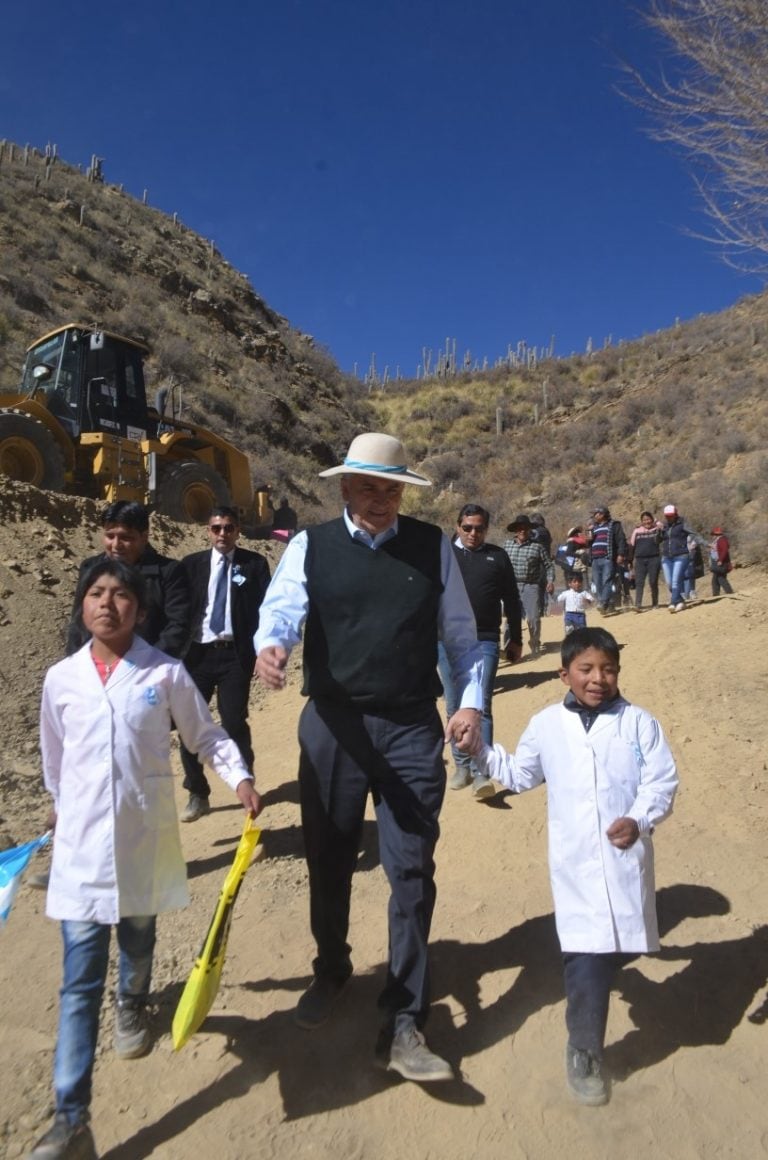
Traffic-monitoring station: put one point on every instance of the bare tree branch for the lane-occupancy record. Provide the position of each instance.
(712, 102)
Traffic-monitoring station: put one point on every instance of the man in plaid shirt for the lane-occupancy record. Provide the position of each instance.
(533, 568)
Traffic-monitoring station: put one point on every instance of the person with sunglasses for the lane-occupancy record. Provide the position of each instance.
(491, 586)
(227, 585)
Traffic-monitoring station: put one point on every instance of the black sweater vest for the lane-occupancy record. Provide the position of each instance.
(371, 632)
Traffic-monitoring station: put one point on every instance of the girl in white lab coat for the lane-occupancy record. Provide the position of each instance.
(611, 779)
(106, 723)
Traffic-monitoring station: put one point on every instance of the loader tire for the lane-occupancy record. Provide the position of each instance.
(188, 490)
(28, 451)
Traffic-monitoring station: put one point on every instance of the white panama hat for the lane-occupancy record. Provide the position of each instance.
(379, 455)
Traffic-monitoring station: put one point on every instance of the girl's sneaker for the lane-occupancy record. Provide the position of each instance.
(132, 1035)
(65, 1141)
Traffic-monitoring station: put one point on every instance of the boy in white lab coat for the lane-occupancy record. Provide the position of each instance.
(611, 779)
(105, 731)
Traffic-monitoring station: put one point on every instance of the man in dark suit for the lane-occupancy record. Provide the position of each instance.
(125, 531)
(227, 585)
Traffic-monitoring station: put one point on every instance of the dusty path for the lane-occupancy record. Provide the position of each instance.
(688, 1030)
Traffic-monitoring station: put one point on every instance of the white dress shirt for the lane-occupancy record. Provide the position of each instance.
(218, 561)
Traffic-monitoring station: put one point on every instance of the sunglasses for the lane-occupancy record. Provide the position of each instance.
(216, 528)
(479, 528)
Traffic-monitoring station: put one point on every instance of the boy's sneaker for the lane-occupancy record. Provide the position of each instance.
(132, 1036)
(482, 788)
(585, 1077)
(65, 1141)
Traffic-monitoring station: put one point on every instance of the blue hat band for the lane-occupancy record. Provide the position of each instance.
(372, 466)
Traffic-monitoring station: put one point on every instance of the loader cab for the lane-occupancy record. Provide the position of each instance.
(91, 381)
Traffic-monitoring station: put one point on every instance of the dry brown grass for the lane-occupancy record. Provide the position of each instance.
(681, 415)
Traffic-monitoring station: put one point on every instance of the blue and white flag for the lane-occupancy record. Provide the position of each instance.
(13, 863)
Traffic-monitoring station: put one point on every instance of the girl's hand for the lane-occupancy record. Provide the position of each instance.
(249, 799)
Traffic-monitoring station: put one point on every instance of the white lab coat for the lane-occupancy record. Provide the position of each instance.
(604, 897)
(106, 762)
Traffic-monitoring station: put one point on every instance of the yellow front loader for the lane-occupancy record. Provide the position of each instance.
(80, 423)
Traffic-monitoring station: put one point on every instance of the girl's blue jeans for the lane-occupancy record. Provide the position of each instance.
(86, 958)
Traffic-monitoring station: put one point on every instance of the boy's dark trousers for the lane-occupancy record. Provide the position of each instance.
(588, 982)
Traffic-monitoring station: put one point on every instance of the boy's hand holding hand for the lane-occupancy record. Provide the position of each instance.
(623, 833)
(249, 799)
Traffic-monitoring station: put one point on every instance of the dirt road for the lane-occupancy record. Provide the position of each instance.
(687, 1031)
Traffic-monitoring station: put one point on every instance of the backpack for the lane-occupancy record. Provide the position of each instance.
(562, 558)
(569, 562)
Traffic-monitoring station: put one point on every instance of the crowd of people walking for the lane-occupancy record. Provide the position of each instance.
(615, 568)
(382, 603)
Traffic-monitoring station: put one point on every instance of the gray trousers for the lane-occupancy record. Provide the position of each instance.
(530, 599)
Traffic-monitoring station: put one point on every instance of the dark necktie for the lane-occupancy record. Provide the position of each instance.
(218, 613)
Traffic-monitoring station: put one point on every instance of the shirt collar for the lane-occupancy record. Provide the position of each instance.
(364, 538)
(458, 544)
(216, 554)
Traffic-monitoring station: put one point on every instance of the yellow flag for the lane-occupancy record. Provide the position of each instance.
(203, 982)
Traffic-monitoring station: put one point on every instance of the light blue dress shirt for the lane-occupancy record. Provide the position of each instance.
(285, 606)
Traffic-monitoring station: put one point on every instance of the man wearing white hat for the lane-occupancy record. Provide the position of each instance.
(376, 590)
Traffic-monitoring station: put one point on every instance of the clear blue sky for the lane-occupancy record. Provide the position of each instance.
(387, 175)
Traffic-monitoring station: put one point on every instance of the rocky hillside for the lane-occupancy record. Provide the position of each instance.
(680, 415)
(75, 249)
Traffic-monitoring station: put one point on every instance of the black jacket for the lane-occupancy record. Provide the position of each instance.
(166, 624)
(674, 538)
(490, 583)
(246, 597)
